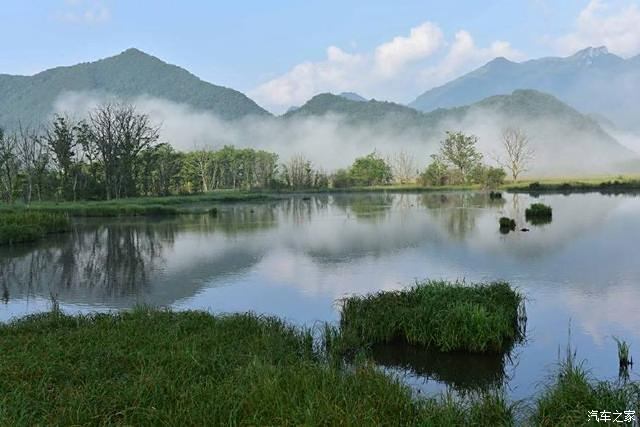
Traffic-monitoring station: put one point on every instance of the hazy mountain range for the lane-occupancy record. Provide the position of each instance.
(483, 102)
(558, 132)
(592, 81)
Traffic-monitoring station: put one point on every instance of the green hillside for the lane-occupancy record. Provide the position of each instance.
(129, 74)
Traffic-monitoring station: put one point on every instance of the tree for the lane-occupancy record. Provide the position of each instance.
(30, 152)
(61, 139)
(460, 151)
(518, 151)
(436, 173)
(403, 167)
(120, 134)
(371, 170)
(297, 172)
(9, 165)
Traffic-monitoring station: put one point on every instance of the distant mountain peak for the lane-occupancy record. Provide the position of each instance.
(353, 96)
(127, 75)
(591, 52)
(500, 60)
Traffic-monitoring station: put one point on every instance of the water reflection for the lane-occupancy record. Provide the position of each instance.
(463, 372)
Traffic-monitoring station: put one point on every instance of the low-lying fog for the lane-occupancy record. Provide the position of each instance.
(330, 142)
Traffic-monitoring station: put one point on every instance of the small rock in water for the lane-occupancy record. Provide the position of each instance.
(524, 229)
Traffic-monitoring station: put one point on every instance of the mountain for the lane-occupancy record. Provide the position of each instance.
(559, 134)
(592, 81)
(353, 96)
(132, 73)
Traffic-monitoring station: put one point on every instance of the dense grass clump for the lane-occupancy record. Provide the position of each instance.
(538, 210)
(570, 398)
(445, 316)
(28, 226)
(507, 224)
(150, 367)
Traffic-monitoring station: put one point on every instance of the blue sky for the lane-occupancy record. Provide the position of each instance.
(280, 52)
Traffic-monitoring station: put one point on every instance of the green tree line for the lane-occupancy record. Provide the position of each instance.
(116, 153)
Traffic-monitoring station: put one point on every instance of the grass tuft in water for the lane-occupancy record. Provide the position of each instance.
(623, 353)
(572, 395)
(445, 316)
(507, 224)
(538, 213)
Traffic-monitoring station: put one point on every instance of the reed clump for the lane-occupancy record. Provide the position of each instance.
(29, 226)
(439, 314)
(572, 396)
(624, 356)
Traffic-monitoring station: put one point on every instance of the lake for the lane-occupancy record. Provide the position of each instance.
(295, 257)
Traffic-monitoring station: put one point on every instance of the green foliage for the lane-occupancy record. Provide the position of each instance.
(150, 367)
(460, 151)
(459, 162)
(28, 226)
(570, 398)
(538, 210)
(436, 174)
(449, 317)
(371, 170)
(507, 223)
(342, 179)
(488, 177)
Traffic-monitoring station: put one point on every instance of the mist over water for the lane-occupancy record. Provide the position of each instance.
(332, 142)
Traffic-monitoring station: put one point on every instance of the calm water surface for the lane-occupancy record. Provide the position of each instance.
(296, 256)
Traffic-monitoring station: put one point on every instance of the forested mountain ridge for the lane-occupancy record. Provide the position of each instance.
(30, 99)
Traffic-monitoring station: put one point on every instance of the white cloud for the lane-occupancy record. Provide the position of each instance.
(87, 12)
(398, 69)
(424, 40)
(604, 23)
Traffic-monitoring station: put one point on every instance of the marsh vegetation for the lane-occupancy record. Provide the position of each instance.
(446, 316)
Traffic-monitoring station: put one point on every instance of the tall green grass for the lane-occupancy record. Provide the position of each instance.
(573, 394)
(445, 316)
(150, 367)
(28, 226)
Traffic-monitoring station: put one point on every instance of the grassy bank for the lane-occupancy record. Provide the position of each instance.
(446, 316)
(151, 367)
(18, 227)
(140, 206)
(605, 185)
